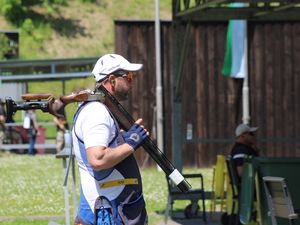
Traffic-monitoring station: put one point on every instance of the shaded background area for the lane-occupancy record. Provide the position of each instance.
(212, 103)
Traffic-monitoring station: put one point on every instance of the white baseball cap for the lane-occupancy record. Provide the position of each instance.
(244, 128)
(110, 63)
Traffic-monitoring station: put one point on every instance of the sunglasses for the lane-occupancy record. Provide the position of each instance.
(251, 133)
(125, 74)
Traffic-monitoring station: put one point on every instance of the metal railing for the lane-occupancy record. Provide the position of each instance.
(52, 69)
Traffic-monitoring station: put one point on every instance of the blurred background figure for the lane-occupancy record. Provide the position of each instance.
(2, 121)
(61, 126)
(244, 146)
(32, 127)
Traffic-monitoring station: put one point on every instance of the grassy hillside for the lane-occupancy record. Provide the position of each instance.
(79, 29)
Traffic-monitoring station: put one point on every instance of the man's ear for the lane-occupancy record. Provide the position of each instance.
(112, 80)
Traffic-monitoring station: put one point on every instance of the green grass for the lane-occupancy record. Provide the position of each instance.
(31, 190)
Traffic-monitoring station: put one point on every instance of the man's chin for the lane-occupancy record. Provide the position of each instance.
(121, 97)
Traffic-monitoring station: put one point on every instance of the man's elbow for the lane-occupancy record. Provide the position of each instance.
(98, 165)
(97, 158)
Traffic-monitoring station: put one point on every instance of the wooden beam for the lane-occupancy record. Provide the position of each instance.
(221, 14)
(199, 7)
(216, 10)
(211, 3)
(276, 9)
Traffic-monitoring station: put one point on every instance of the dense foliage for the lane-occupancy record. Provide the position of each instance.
(67, 29)
(55, 29)
(16, 11)
(4, 46)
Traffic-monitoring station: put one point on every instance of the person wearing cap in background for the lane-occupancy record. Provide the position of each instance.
(111, 185)
(245, 145)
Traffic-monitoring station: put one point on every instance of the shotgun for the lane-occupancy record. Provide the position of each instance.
(122, 116)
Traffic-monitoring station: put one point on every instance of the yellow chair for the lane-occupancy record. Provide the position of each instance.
(218, 186)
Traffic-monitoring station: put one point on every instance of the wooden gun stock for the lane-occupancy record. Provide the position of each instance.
(47, 103)
(29, 97)
(79, 97)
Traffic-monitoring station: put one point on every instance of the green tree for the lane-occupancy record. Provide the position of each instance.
(4, 46)
(15, 11)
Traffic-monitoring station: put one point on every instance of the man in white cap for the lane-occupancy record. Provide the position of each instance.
(111, 185)
(245, 145)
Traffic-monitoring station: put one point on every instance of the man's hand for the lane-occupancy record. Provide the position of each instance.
(135, 135)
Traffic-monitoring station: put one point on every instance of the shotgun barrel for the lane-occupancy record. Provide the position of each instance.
(126, 121)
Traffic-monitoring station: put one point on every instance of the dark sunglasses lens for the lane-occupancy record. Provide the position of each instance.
(251, 133)
(120, 73)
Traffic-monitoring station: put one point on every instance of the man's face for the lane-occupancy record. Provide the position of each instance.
(249, 138)
(122, 86)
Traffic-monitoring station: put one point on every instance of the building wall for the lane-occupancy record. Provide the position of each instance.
(211, 103)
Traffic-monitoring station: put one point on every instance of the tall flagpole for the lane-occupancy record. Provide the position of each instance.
(246, 97)
(159, 99)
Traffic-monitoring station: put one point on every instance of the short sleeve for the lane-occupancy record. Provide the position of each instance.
(95, 125)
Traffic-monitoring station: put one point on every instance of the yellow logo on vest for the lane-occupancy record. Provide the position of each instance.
(113, 183)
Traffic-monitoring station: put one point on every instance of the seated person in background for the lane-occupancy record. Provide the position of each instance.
(245, 145)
